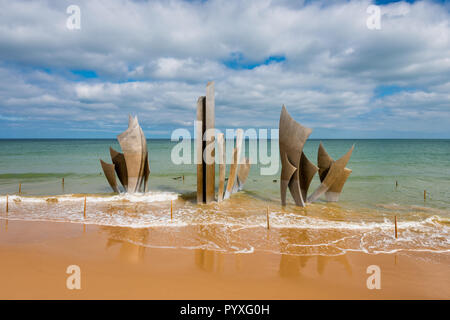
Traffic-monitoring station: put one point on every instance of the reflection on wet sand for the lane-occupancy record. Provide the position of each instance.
(288, 237)
(209, 261)
(322, 261)
(297, 247)
(129, 251)
(239, 225)
(290, 265)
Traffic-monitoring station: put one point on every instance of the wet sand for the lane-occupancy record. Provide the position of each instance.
(34, 257)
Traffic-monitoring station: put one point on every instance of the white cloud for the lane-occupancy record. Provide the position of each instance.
(154, 59)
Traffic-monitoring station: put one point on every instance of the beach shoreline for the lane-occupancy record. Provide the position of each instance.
(35, 256)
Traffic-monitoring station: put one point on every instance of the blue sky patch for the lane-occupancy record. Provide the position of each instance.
(237, 61)
(382, 91)
(86, 74)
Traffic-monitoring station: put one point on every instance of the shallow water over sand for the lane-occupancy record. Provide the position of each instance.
(240, 224)
(363, 219)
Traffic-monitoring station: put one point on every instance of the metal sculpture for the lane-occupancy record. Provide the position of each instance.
(131, 143)
(222, 165)
(205, 145)
(205, 153)
(298, 171)
(239, 169)
(108, 169)
(120, 166)
(307, 172)
(200, 146)
(131, 166)
(292, 138)
(232, 178)
(243, 171)
(332, 174)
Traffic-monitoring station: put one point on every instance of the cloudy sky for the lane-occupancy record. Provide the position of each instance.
(154, 58)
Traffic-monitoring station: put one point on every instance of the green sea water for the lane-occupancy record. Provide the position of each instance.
(417, 165)
(361, 220)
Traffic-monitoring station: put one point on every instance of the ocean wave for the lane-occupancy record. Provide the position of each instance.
(234, 227)
(124, 197)
(402, 207)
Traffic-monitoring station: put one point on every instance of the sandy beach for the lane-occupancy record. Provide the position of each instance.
(35, 255)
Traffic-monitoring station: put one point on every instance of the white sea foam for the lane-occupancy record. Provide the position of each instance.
(123, 197)
(237, 231)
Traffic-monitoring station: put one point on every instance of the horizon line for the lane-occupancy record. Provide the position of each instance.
(246, 138)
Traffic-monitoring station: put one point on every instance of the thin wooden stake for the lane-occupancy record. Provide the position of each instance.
(171, 209)
(268, 222)
(183, 178)
(20, 188)
(424, 195)
(396, 183)
(7, 205)
(84, 214)
(62, 183)
(395, 227)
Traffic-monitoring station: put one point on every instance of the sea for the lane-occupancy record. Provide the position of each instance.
(407, 181)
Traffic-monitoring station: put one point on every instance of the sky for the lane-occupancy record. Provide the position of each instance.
(153, 59)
